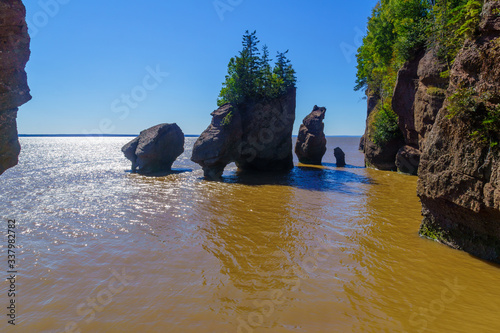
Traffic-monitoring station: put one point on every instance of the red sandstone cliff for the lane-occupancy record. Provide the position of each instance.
(14, 91)
(459, 177)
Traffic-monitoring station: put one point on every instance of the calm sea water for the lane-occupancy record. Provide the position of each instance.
(318, 250)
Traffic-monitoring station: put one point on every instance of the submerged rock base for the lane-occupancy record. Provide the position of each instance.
(453, 225)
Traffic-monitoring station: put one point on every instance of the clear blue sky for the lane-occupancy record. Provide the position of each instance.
(88, 56)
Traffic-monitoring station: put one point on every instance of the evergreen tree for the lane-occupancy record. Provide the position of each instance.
(266, 75)
(284, 71)
(250, 75)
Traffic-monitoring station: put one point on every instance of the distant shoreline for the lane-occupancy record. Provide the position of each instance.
(85, 135)
(134, 135)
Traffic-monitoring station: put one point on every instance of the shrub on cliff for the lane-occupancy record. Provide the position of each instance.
(250, 75)
(385, 125)
(477, 110)
(398, 29)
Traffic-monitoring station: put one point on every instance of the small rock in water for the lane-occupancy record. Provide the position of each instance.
(339, 156)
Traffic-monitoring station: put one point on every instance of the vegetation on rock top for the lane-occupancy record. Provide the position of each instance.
(250, 75)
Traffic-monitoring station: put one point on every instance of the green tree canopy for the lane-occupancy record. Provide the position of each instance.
(397, 29)
(250, 75)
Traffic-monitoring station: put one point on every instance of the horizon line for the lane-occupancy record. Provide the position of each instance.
(133, 135)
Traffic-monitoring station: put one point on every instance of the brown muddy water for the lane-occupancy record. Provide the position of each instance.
(319, 250)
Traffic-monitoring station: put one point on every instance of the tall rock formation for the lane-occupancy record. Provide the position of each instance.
(256, 135)
(459, 177)
(418, 95)
(14, 91)
(311, 141)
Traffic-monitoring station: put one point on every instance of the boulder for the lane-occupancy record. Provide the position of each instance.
(311, 141)
(256, 135)
(155, 149)
(340, 157)
(407, 160)
(14, 91)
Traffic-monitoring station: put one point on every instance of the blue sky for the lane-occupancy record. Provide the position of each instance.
(118, 67)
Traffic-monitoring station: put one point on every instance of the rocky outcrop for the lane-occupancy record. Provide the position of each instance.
(218, 145)
(339, 157)
(403, 99)
(155, 149)
(418, 95)
(430, 95)
(311, 141)
(14, 91)
(459, 177)
(256, 135)
(408, 160)
(382, 157)
(362, 143)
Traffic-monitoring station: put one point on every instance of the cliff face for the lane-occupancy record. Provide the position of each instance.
(418, 95)
(459, 177)
(382, 157)
(14, 91)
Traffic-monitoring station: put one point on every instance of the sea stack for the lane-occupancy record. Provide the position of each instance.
(256, 135)
(14, 91)
(311, 141)
(155, 149)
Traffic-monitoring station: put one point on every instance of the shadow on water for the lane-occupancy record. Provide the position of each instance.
(306, 178)
(161, 174)
(348, 166)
